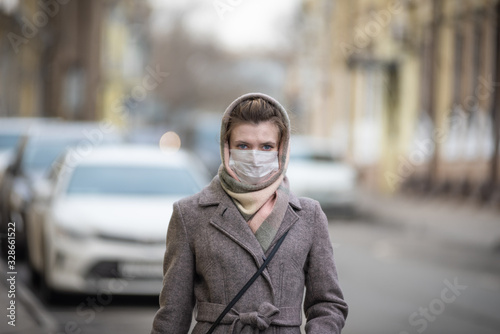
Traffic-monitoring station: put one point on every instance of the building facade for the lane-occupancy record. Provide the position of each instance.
(71, 59)
(408, 89)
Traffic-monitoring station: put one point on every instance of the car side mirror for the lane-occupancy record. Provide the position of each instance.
(10, 168)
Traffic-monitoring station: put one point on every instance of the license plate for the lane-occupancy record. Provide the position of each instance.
(141, 270)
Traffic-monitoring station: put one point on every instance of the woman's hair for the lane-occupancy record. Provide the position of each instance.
(255, 110)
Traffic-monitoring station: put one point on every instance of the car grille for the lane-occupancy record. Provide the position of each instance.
(113, 269)
(104, 270)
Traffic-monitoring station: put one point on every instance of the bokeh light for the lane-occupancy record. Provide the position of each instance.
(170, 142)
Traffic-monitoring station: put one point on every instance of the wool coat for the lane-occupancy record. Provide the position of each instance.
(211, 253)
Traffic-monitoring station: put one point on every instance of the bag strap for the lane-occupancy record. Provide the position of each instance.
(248, 284)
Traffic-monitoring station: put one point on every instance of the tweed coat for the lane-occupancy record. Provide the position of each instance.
(211, 253)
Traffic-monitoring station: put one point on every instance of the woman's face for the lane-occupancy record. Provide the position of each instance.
(263, 136)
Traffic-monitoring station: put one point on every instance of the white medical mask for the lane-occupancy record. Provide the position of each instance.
(253, 166)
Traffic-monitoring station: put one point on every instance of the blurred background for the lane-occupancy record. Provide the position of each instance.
(110, 111)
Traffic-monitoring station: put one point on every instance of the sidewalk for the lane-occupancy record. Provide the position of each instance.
(30, 316)
(447, 220)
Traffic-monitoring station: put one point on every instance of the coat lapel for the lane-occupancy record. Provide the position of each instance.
(228, 220)
(288, 221)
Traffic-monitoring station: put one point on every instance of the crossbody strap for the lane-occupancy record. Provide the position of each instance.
(248, 284)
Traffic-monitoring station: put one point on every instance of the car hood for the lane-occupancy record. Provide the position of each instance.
(120, 217)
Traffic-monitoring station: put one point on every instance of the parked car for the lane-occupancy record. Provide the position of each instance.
(315, 171)
(105, 218)
(11, 131)
(36, 152)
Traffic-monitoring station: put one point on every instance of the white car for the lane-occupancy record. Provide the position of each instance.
(99, 222)
(315, 172)
(12, 130)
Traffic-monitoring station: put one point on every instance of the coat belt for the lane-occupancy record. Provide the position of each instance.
(260, 319)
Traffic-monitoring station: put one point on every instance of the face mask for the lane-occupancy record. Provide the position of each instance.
(253, 166)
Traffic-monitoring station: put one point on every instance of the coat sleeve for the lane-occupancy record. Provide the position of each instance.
(177, 295)
(324, 303)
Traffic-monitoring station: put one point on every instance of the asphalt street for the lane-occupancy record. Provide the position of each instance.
(398, 281)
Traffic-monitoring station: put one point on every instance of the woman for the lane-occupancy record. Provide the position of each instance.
(218, 238)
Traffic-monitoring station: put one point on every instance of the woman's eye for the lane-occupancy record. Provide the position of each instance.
(267, 147)
(242, 146)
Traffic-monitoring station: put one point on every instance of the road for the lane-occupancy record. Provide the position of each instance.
(395, 281)
(402, 282)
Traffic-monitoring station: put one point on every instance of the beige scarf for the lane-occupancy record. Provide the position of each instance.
(263, 205)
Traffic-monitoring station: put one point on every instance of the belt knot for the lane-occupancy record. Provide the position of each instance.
(260, 319)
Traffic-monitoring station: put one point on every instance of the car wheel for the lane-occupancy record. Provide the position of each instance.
(18, 218)
(48, 294)
(35, 276)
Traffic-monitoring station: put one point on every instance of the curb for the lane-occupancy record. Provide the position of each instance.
(46, 323)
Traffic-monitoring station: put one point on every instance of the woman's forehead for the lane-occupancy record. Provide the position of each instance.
(267, 131)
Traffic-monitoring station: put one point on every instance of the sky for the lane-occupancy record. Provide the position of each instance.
(237, 25)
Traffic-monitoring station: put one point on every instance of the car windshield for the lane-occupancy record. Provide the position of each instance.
(39, 155)
(131, 180)
(8, 141)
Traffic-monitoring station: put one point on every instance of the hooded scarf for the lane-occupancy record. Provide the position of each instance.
(262, 205)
